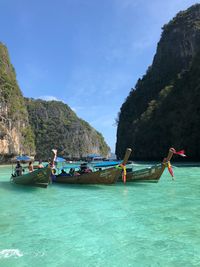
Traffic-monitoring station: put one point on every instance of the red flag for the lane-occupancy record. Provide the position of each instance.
(180, 153)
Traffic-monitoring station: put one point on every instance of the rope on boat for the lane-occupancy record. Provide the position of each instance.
(169, 167)
(122, 167)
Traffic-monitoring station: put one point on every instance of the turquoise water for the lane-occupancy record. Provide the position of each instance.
(96, 225)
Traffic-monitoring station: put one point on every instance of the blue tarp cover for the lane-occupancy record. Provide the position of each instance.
(107, 163)
(23, 158)
(59, 159)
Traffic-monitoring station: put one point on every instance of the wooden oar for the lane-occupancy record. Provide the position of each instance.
(170, 154)
(122, 165)
(126, 156)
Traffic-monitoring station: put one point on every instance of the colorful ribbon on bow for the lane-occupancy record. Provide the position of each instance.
(180, 153)
(169, 166)
(123, 167)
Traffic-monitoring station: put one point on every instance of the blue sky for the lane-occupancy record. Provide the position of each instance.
(88, 54)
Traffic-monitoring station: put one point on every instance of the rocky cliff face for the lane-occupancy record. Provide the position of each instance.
(32, 127)
(55, 125)
(164, 105)
(16, 136)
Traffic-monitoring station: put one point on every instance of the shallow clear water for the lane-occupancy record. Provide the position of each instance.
(95, 225)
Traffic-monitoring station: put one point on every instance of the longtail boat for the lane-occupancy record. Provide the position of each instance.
(39, 178)
(106, 176)
(153, 173)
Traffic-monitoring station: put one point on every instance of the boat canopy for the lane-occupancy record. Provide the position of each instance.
(59, 159)
(107, 164)
(23, 158)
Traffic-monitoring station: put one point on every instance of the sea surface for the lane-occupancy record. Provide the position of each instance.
(133, 224)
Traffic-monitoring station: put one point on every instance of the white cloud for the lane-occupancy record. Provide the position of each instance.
(76, 109)
(49, 98)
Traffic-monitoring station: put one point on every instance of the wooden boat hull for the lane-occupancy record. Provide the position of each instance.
(151, 175)
(107, 176)
(39, 178)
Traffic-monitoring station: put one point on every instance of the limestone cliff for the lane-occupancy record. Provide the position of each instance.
(163, 109)
(32, 127)
(16, 136)
(55, 125)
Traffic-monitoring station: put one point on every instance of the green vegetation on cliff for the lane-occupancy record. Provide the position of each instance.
(55, 125)
(164, 108)
(30, 126)
(10, 93)
(14, 122)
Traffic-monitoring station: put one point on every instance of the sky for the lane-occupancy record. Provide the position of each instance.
(86, 53)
